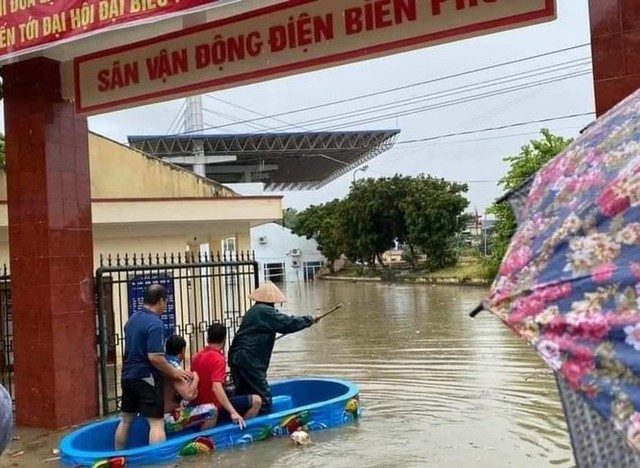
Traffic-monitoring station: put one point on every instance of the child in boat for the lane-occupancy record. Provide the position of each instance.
(178, 415)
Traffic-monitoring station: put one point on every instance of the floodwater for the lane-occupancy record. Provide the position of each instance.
(438, 389)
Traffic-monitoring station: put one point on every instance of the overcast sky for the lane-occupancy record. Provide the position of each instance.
(476, 158)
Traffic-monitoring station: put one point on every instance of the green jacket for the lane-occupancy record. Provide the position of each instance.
(253, 343)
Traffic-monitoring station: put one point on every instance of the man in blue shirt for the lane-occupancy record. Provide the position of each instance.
(144, 369)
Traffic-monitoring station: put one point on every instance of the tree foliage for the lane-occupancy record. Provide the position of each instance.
(423, 213)
(320, 222)
(372, 216)
(290, 218)
(434, 216)
(532, 157)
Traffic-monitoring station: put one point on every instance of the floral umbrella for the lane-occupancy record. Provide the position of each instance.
(570, 281)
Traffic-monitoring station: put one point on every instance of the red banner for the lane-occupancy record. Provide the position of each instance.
(283, 39)
(32, 24)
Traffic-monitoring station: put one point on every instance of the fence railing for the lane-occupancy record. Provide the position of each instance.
(203, 288)
(6, 332)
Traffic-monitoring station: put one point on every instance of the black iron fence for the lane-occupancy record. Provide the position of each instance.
(202, 289)
(6, 331)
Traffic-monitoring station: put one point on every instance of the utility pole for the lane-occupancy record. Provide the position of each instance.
(484, 232)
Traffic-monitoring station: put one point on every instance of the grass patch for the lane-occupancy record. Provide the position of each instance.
(473, 270)
(354, 272)
(404, 272)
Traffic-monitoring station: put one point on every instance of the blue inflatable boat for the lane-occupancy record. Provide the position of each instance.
(308, 404)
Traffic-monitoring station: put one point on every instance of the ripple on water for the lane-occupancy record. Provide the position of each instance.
(438, 389)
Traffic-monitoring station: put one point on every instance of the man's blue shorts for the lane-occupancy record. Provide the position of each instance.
(242, 404)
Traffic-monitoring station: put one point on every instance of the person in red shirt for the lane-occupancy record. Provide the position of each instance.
(211, 365)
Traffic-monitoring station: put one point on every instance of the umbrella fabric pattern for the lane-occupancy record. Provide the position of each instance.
(570, 281)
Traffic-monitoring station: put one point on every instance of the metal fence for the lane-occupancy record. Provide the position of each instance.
(6, 332)
(202, 289)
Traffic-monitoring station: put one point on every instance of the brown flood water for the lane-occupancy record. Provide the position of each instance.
(438, 389)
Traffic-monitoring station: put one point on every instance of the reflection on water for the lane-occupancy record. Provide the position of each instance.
(438, 388)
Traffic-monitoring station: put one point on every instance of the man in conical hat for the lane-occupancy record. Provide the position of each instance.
(250, 352)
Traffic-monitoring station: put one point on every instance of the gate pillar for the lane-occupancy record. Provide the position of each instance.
(51, 249)
(615, 47)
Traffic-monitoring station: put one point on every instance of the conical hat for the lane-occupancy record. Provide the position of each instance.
(268, 293)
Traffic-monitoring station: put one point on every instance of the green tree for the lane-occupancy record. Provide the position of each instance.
(372, 217)
(433, 210)
(321, 223)
(290, 217)
(532, 157)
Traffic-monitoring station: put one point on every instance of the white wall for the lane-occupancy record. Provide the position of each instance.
(279, 242)
(138, 245)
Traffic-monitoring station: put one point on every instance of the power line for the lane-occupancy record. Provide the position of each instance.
(209, 96)
(411, 85)
(450, 92)
(234, 118)
(205, 123)
(476, 120)
(463, 100)
(418, 147)
(446, 93)
(500, 137)
(451, 135)
(177, 117)
(493, 129)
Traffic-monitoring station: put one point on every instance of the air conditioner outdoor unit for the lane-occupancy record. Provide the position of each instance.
(295, 252)
(295, 263)
(262, 240)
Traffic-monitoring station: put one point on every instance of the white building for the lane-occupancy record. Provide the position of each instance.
(283, 256)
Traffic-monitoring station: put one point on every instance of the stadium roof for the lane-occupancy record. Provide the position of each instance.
(282, 161)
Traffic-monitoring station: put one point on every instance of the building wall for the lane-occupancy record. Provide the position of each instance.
(137, 245)
(137, 175)
(4, 252)
(118, 171)
(277, 248)
(392, 256)
(121, 246)
(615, 46)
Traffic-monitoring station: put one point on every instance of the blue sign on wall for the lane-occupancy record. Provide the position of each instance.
(136, 286)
